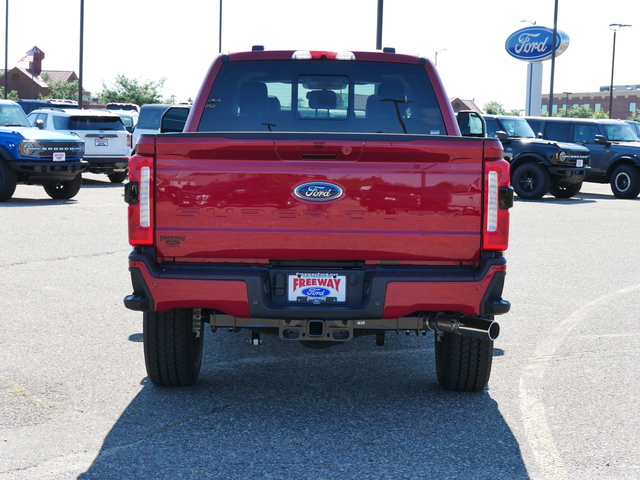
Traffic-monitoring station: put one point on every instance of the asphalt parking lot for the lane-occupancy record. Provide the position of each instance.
(561, 403)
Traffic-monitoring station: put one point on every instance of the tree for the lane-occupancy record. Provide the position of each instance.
(132, 90)
(494, 108)
(635, 116)
(61, 89)
(581, 111)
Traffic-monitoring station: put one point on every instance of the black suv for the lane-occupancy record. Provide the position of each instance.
(613, 146)
(538, 166)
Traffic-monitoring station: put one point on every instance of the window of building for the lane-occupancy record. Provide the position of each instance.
(555, 108)
(545, 108)
(598, 107)
(632, 106)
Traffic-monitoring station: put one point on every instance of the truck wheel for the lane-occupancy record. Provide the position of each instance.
(531, 181)
(64, 190)
(8, 181)
(117, 177)
(173, 344)
(463, 364)
(625, 182)
(565, 191)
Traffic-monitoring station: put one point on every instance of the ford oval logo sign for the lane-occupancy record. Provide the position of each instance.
(316, 292)
(318, 191)
(533, 44)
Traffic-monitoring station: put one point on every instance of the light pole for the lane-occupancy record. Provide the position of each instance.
(615, 27)
(6, 51)
(566, 110)
(436, 59)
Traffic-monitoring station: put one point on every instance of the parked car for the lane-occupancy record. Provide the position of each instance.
(36, 157)
(613, 146)
(129, 118)
(636, 127)
(29, 105)
(538, 166)
(122, 106)
(150, 117)
(107, 141)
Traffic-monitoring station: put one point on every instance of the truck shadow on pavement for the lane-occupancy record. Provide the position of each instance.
(279, 410)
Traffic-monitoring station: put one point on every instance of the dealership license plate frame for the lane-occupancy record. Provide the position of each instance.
(317, 287)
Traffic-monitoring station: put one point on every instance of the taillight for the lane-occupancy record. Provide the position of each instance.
(498, 201)
(139, 195)
(129, 141)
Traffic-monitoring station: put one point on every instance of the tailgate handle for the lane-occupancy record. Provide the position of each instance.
(319, 156)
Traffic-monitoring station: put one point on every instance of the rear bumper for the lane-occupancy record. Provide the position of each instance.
(258, 292)
(107, 164)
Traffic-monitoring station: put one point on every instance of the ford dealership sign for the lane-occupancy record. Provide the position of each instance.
(533, 44)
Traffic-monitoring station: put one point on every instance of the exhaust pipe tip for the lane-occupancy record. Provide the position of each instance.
(470, 326)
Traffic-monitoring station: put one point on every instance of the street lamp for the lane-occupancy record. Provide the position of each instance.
(566, 110)
(436, 60)
(615, 27)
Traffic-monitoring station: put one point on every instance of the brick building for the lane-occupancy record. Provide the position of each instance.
(29, 86)
(626, 100)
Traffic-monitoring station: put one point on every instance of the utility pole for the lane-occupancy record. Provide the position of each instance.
(81, 53)
(553, 56)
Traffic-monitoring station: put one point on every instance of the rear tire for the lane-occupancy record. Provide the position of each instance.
(117, 177)
(625, 181)
(565, 191)
(8, 181)
(531, 181)
(64, 190)
(172, 347)
(463, 364)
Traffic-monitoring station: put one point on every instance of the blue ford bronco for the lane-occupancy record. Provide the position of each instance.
(37, 157)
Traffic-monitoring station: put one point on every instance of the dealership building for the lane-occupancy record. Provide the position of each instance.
(626, 99)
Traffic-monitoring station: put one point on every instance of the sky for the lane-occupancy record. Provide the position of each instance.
(154, 39)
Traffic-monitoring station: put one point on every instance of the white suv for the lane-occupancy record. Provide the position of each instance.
(107, 141)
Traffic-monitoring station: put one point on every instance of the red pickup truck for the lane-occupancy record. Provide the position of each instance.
(318, 197)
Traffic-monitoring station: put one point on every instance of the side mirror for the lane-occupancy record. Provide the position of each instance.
(40, 124)
(174, 119)
(502, 136)
(602, 140)
(471, 124)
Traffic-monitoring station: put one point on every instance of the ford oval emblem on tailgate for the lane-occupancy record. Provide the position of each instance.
(318, 191)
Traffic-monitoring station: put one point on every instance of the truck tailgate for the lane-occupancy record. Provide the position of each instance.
(402, 200)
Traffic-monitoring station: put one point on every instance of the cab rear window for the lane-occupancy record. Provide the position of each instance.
(95, 123)
(323, 97)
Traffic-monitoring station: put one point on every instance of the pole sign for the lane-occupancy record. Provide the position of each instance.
(533, 44)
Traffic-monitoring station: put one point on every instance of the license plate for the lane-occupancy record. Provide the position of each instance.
(59, 156)
(102, 142)
(579, 163)
(317, 288)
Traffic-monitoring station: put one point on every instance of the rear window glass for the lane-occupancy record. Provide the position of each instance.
(150, 117)
(322, 96)
(95, 123)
